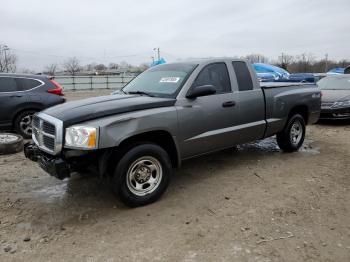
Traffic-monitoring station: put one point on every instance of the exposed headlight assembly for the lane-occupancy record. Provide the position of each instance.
(342, 104)
(83, 137)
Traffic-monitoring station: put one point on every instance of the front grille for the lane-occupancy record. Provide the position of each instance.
(47, 133)
(49, 142)
(49, 128)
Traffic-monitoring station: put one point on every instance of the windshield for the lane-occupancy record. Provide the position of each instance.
(334, 83)
(161, 81)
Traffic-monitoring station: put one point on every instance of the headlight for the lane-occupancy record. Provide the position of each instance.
(341, 104)
(81, 137)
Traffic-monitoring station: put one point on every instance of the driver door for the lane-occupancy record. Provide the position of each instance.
(207, 123)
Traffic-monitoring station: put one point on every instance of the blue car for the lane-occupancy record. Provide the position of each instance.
(336, 71)
(266, 72)
(302, 77)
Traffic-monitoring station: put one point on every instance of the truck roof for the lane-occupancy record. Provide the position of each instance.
(210, 60)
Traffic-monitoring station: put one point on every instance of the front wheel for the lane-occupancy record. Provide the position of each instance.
(142, 175)
(291, 138)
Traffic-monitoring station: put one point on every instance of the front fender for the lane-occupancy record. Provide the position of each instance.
(115, 129)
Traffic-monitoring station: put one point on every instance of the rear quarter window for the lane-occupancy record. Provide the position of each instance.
(8, 84)
(25, 84)
(244, 79)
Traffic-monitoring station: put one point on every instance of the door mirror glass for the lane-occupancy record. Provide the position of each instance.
(204, 90)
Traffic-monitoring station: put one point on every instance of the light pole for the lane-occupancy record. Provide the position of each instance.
(5, 48)
(158, 52)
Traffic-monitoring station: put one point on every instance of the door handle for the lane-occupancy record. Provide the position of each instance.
(229, 104)
(16, 96)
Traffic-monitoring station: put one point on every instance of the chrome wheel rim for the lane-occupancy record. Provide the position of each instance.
(144, 176)
(26, 124)
(296, 132)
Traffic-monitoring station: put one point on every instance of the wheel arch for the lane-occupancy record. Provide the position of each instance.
(159, 137)
(302, 110)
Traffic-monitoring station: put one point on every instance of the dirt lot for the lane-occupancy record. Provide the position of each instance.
(252, 203)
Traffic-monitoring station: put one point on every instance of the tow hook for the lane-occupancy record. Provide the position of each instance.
(31, 151)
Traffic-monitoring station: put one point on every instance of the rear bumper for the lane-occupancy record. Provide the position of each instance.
(54, 166)
(339, 113)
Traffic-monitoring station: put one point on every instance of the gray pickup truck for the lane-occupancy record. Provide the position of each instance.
(169, 113)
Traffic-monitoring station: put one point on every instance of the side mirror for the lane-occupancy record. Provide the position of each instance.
(201, 91)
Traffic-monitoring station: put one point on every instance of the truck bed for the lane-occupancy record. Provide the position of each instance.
(282, 97)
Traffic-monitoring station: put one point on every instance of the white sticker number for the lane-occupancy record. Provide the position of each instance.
(169, 80)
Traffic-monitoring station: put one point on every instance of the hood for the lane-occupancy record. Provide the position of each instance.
(91, 108)
(335, 95)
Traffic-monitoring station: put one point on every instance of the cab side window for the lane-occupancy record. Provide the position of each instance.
(7, 84)
(214, 74)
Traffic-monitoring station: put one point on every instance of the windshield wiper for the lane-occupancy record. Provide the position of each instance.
(140, 93)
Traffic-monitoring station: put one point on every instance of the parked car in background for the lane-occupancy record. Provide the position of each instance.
(267, 72)
(21, 96)
(336, 71)
(335, 97)
(319, 76)
(347, 70)
(302, 77)
(266, 77)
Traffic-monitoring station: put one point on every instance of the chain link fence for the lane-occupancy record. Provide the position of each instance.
(92, 82)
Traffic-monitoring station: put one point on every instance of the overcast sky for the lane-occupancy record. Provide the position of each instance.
(44, 32)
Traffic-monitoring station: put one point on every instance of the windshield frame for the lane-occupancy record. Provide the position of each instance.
(163, 95)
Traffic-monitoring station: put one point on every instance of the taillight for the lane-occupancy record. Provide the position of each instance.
(58, 90)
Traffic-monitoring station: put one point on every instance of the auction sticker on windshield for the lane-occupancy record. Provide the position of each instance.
(169, 80)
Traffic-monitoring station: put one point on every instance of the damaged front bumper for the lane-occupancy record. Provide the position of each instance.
(55, 166)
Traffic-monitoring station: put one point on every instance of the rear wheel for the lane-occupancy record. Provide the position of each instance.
(142, 175)
(23, 123)
(292, 137)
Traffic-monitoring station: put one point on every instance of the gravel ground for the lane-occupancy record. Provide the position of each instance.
(251, 203)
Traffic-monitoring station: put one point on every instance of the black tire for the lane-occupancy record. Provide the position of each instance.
(19, 127)
(123, 184)
(10, 143)
(285, 139)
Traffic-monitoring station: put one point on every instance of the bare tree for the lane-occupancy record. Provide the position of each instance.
(51, 69)
(113, 66)
(72, 66)
(343, 63)
(90, 67)
(143, 67)
(257, 58)
(305, 62)
(25, 71)
(7, 59)
(100, 67)
(285, 60)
